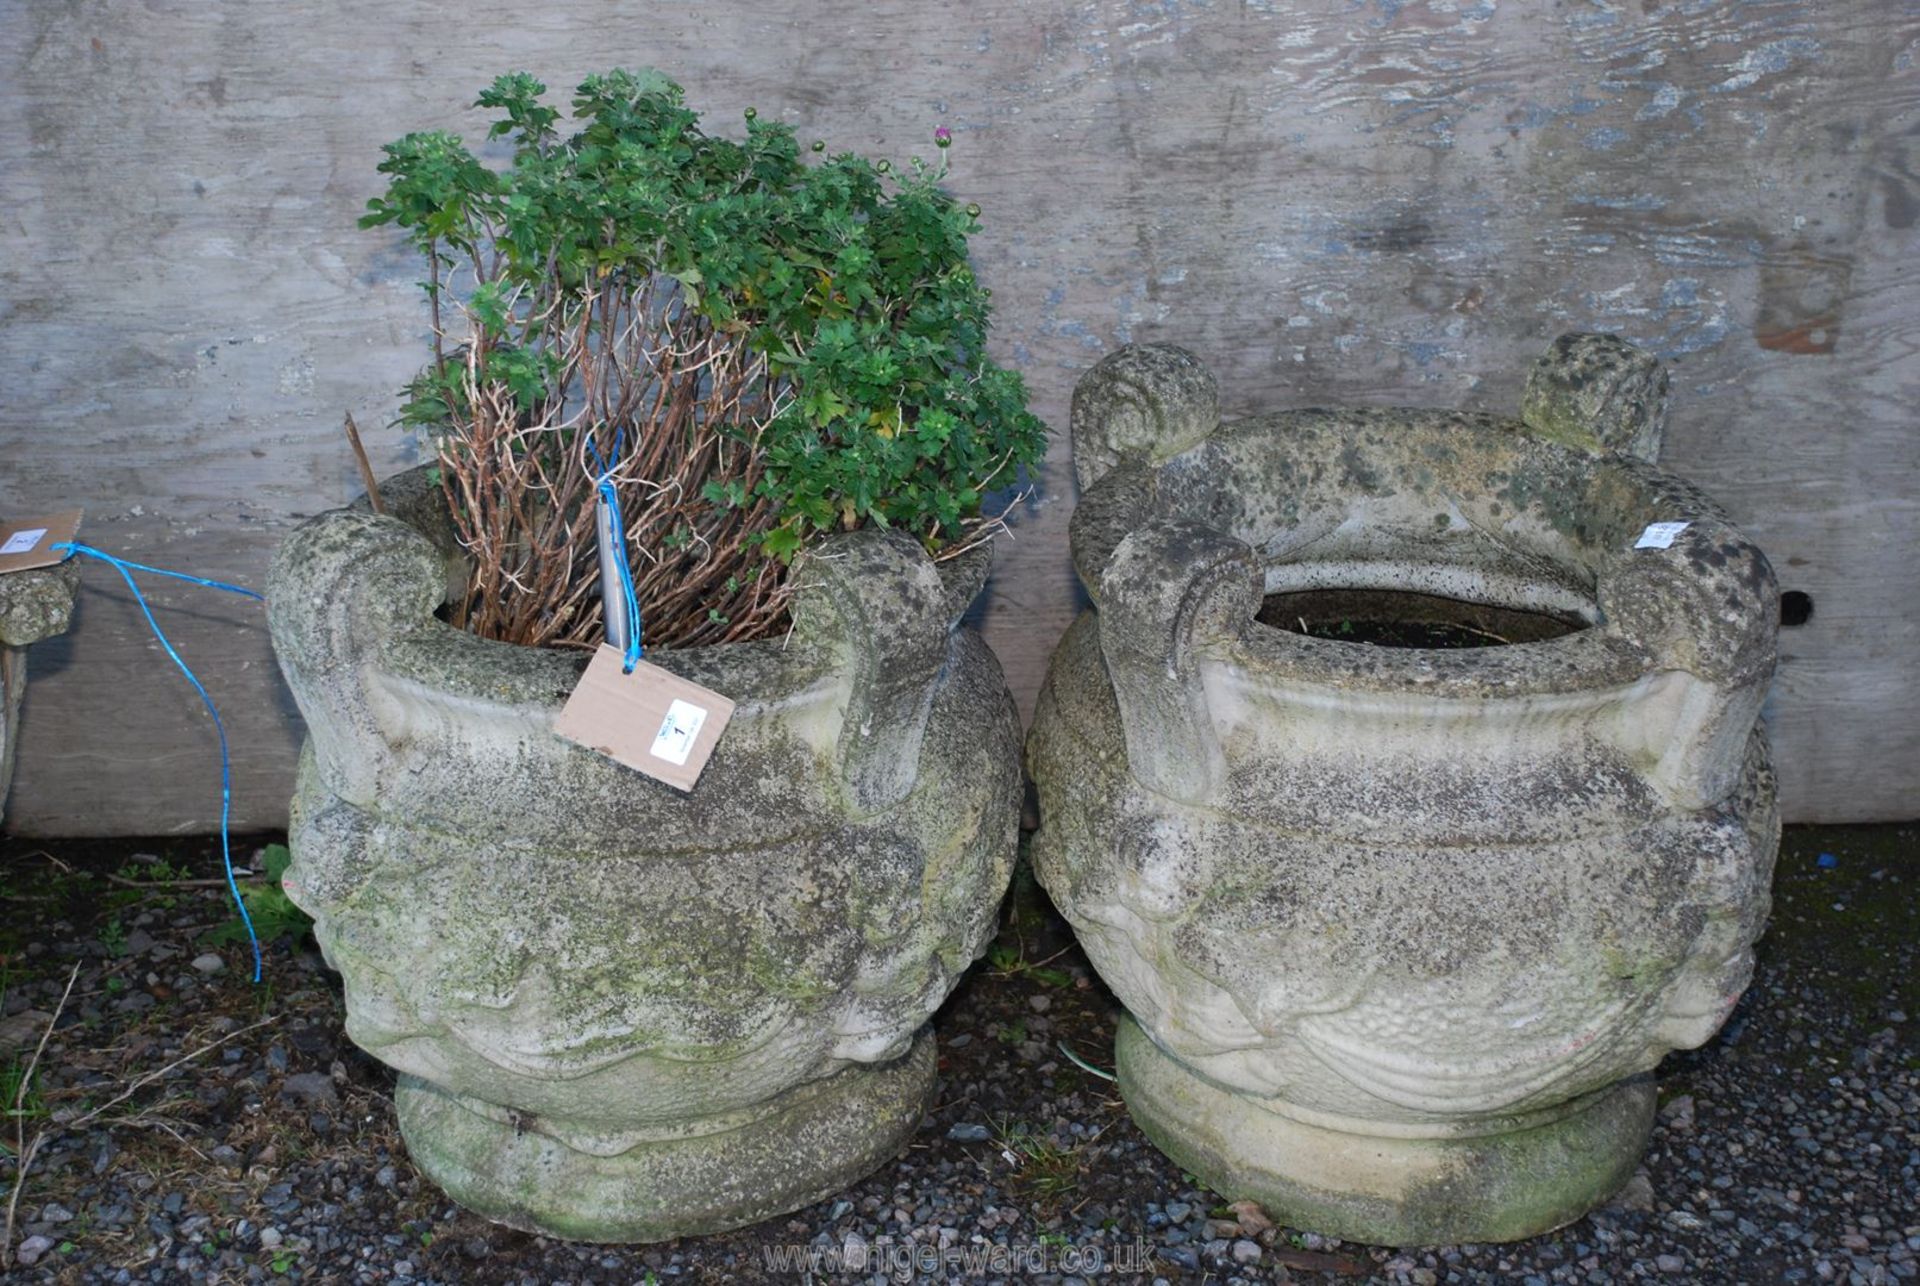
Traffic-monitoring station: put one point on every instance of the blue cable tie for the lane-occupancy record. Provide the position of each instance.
(126, 569)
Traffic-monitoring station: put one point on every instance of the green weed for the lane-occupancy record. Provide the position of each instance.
(274, 915)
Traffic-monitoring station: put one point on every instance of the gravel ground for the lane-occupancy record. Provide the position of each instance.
(192, 1126)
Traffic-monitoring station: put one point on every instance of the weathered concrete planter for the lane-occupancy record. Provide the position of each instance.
(1402, 929)
(621, 1013)
(34, 605)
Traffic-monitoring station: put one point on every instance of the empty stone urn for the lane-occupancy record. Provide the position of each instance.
(620, 1012)
(1403, 929)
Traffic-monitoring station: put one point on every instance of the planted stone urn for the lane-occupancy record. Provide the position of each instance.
(621, 1012)
(1405, 783)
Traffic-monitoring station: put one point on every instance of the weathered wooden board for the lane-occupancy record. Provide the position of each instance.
(1397, 201)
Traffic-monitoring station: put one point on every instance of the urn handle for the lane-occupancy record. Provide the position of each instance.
(343, 587)
(1705, 610)
(1598, 392)
(1140, 404)
(876, 600)
(1172, 589)
(1109, 511)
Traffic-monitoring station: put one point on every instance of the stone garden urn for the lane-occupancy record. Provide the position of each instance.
(620, 1012)
(1403, 929)
(34, 605)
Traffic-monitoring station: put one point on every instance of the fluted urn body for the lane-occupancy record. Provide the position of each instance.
(1403, 929)
(622, 1012)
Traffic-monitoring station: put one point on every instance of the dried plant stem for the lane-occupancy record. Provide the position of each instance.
(216, 882)
(140, 1083)
(371, 483)
(628, 364)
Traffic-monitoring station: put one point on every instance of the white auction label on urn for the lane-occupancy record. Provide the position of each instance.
(1660, 535)
(22, 541)
(651, 720)
(674, 741)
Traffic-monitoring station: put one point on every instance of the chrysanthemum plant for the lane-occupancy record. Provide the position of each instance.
(777, 349)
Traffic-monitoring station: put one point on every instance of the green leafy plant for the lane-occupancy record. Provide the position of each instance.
(146, 883)
(1011, 962)
(157, 871)
(274, 915)
(782, 348)
(1042, 1168)
(19, 1093)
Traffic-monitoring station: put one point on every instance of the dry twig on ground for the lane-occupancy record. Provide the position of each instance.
(25, 1149)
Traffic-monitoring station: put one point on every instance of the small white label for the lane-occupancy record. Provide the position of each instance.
(674, 741)
(1660, 535)
(22, 542)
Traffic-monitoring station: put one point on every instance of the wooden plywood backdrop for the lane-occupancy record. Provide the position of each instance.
(1396, 201)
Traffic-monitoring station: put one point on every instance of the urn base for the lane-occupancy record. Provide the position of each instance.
(1390, 1191)
(691, 1178)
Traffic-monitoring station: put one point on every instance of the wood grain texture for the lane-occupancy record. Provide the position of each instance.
(1396, 201)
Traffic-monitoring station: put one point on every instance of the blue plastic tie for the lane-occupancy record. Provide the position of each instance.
(126, 570)
(604, 485)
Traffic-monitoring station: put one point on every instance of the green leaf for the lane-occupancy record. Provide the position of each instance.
(782, 543)
(274, 861)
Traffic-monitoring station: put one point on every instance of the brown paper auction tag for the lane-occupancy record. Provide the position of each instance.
(28, 542)
(653, 722)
